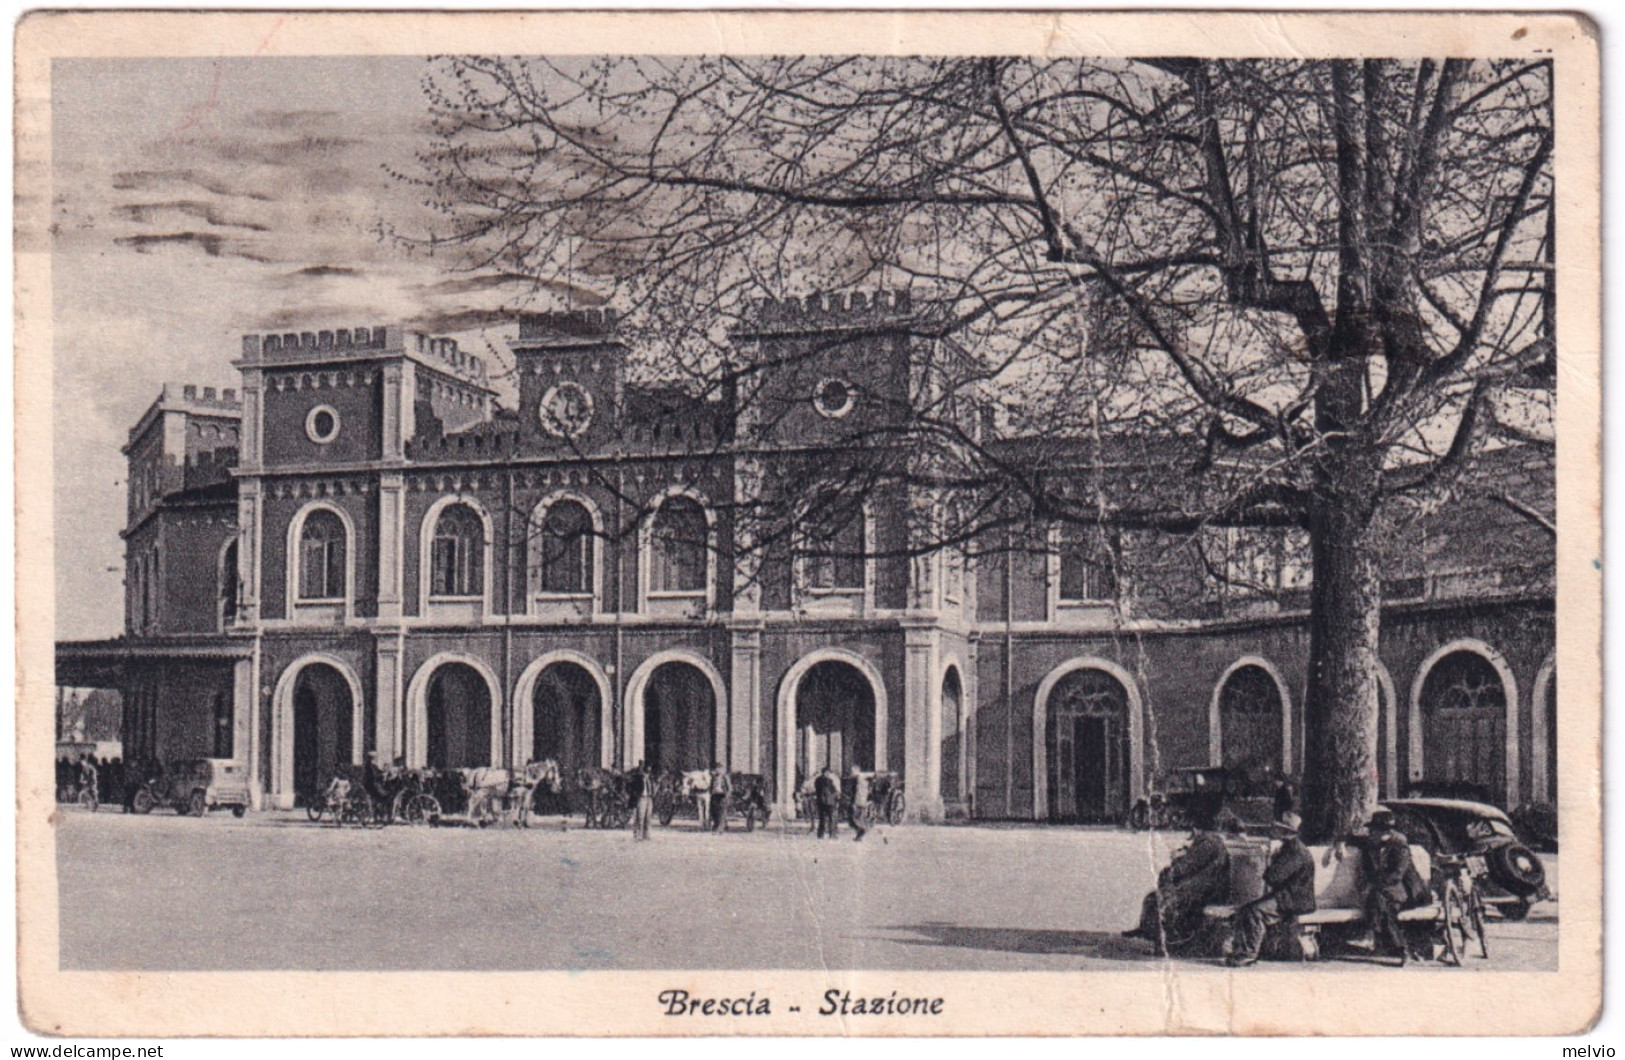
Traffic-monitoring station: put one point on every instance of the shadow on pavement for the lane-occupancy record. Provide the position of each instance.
(1100, 944)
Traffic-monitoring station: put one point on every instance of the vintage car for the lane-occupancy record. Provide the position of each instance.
(196, 786)
(1509, 875)
(1190, 795)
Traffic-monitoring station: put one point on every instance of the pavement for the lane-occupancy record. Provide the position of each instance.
(274, 891)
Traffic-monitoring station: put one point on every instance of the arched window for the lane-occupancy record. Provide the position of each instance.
(564, 553)
(456, 558)
(322, 544)
(678, 543)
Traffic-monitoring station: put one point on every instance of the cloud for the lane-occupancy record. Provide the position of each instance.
(324, 271)
(152, 179)
(476, 284)
(213, 244)
(147, 212)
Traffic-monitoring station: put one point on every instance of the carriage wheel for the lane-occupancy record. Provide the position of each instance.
(314, 808)
(666, 810)
(421, 809)
(143, 801)
(895, 808)
(1453, 909)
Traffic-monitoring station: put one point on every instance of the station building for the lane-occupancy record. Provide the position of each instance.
(362, 548)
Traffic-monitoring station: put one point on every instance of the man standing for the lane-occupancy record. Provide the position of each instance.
(859, 810)
(1289, 892)
(720, 790)
(642, 800)
(699, 786)
(827, 795)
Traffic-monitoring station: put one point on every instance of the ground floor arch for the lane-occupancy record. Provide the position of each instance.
(453, 714)
(318, 728)
(1464, 723)
(562, 711)
(832, 709)
(1088, 758)
(1250, 719)
(675, 713)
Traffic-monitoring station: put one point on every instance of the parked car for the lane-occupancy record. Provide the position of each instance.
(196, 786)
(1190, 795)
(1510, 876)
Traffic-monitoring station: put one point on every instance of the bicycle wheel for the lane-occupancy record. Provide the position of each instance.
(1453, 909)
(1475, 916)
(315, 808)
(87, 800)
(895, 808)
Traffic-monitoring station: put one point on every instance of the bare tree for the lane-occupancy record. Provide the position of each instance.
(1324, 285)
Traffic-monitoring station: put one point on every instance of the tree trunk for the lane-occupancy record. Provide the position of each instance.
(1341, 707)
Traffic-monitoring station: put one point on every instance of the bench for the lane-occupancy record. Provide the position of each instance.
(1339, 891)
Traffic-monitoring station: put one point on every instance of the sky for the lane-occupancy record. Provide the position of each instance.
(197, 200)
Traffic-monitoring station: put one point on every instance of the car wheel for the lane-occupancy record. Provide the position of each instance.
(198, 804)
(1517, 868)
(1515, 910)
(238, 811)
(143, 801)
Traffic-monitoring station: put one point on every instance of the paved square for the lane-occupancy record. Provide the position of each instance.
(274, 891)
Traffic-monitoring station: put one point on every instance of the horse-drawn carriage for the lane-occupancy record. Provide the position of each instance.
(480, 796)
(748, 800)
(604, 798)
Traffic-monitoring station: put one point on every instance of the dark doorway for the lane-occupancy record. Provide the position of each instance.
(835, 721)
(1464, 712)
(323, 720)
(1088, 746)
(679, 719)
(459, 718)
(565, 714)
(953, 740)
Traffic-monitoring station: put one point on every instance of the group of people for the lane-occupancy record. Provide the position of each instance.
(104, 778)
(1200, 876)
(827, 802)
(710, 789)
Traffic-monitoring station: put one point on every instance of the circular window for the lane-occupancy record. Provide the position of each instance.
(566, 410)
(322, 424)
(834, 398)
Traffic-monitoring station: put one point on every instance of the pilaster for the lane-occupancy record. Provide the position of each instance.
(745, 696)
(249, 526)
(388, 737)
(922, 717)
(391, 535)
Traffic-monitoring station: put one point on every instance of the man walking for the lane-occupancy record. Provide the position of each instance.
(859, 811)
(1289, 892)
(827, 796)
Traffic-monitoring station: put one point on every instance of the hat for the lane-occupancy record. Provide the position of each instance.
(1382, 819)
(1289, 822)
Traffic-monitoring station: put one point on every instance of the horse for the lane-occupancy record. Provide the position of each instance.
(485, 784)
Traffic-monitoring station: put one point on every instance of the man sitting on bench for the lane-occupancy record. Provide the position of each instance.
(1289, 892)
(1198, 876)
(1392, 883)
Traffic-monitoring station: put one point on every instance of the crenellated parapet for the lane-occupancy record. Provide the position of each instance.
(572, 327)
(857, 309)
(305, 347)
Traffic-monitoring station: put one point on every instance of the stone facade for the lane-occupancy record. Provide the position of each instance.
(368, 552)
